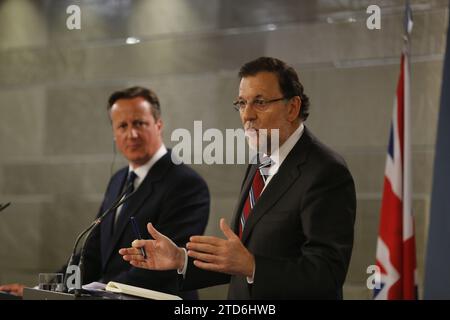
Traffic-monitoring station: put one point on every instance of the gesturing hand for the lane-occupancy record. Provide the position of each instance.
(14, 288)
(221, 255)
(162, 253)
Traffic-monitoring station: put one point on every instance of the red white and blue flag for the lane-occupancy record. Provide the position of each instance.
(396, 252)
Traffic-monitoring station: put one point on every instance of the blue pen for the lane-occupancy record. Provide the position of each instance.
(138, 234)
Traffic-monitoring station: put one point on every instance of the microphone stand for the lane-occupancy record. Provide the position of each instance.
(120, 200)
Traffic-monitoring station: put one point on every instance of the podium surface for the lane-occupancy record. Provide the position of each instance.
(37, 294)
(8, 296)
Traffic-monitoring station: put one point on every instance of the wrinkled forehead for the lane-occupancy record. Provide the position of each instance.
(137, 102)
(262, 84)
(136, 107)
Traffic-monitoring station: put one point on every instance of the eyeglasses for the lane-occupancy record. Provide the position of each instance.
(259, 104)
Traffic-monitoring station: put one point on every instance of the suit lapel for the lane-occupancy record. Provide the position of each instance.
(144, 191)
(287, 174)
(106, 227)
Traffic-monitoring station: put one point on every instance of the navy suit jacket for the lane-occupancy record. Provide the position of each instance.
(300, 230)
(174, 198)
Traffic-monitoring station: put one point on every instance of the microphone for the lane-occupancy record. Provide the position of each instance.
(4, 206)
(88, 231)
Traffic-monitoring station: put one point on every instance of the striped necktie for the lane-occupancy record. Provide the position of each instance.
(258, 183)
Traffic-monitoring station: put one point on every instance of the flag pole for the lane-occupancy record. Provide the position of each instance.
(409, 256)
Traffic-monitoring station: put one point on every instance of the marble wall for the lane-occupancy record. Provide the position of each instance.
(56, 152)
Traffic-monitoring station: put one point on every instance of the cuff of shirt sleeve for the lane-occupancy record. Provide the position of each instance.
(250, 279)
(183, 270)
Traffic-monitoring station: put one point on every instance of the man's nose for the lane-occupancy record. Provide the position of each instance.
(248, 114)
(133, 133)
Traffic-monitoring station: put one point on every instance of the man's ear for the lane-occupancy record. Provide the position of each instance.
(295, 105)
(160, 124)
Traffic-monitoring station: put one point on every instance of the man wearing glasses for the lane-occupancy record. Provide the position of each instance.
(292, 232)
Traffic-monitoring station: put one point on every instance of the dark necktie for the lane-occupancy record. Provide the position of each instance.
(259, 180)
(130, 185)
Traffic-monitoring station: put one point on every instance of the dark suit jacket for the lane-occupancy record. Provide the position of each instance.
(300, 230)
(174, 198)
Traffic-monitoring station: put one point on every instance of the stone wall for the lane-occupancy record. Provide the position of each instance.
(56, 149)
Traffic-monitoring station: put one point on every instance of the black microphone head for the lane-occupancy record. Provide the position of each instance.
(4, 206)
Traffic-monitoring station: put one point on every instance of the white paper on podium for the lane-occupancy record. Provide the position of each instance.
(95, 286)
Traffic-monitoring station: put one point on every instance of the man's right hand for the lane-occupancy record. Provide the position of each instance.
(162, 253)
(14, 288)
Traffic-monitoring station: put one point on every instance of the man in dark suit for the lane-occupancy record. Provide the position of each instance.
(292, 232)
(173, 197)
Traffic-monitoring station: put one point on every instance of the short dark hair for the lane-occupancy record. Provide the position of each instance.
(287, 78)
(135, 92)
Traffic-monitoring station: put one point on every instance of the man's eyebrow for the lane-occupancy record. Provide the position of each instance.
(257, 96)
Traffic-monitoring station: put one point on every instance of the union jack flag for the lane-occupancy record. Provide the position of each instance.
(396, 252)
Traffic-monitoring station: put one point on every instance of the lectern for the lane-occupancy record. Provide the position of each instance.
(38, 294)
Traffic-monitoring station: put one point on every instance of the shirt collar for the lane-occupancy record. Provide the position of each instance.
(279, 155)
(142, 171)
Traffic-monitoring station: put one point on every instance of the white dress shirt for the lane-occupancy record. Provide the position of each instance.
(142, 171)
(279, 155)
